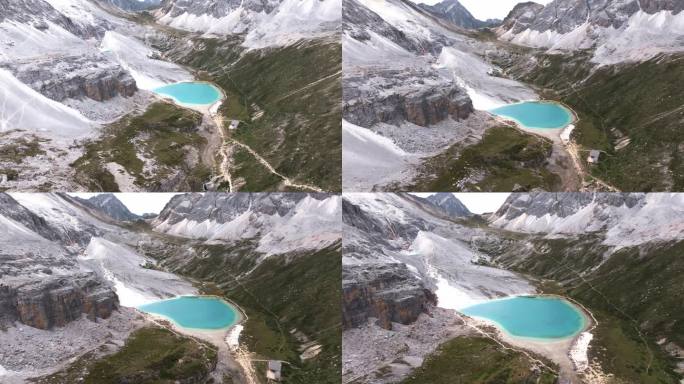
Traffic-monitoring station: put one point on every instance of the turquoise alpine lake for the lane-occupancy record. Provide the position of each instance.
(535, 114)
(538, 317)
(195, 93)
(199, 312)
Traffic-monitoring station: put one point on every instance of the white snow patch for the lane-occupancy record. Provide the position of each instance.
(366, 155)
(474, 75)
(579, 351)
(565, 134)
(461, 283)
(451, 297)
(3, 371)
(376, 50)
(23, 108)
(136, 58)
(133, 284)
(233, 337)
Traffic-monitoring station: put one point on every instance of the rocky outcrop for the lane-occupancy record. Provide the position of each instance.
(424, 106)
(54, 302)
(221, 207)
(388, 292)
(521, 16)
(76, 78)
(38, 12)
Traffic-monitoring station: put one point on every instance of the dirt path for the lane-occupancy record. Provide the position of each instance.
(270, 168)
(225, 152)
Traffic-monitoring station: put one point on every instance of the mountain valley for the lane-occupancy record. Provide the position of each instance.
(76, 272)
(81, 108)
(425, 119)
(411, 267)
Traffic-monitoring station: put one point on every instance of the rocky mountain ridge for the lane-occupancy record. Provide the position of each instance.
(280, 222)
(111, 206)
(456, 13)
(450, 204)
(615, 30)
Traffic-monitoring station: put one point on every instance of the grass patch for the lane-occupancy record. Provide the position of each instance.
(255, 176)
(295, 89)
(505, 160)
(477, 360)
(150, 355)
(21, 148)
(163, 132)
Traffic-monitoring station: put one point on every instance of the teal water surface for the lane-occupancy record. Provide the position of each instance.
(191, 93)
(534, 114)
(202, 312)
(532, 316)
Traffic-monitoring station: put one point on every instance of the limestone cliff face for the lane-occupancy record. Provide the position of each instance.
(76, 78)
(389, 293)
(423, 107)
(55, 302)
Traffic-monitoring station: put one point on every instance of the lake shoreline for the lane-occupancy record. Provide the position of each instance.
(557, 350)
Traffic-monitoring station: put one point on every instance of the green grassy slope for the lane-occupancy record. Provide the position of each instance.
(477, 360)
(162, 133)
(641, 101)
(505, 158)
(288, 100)
(150, 355)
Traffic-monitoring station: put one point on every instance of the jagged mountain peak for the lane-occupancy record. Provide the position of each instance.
(110, 205)
(454, 12)
(450, 204)
(522, 15)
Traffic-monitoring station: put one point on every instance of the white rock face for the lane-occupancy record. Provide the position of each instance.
(21, 106)
(133, 284)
